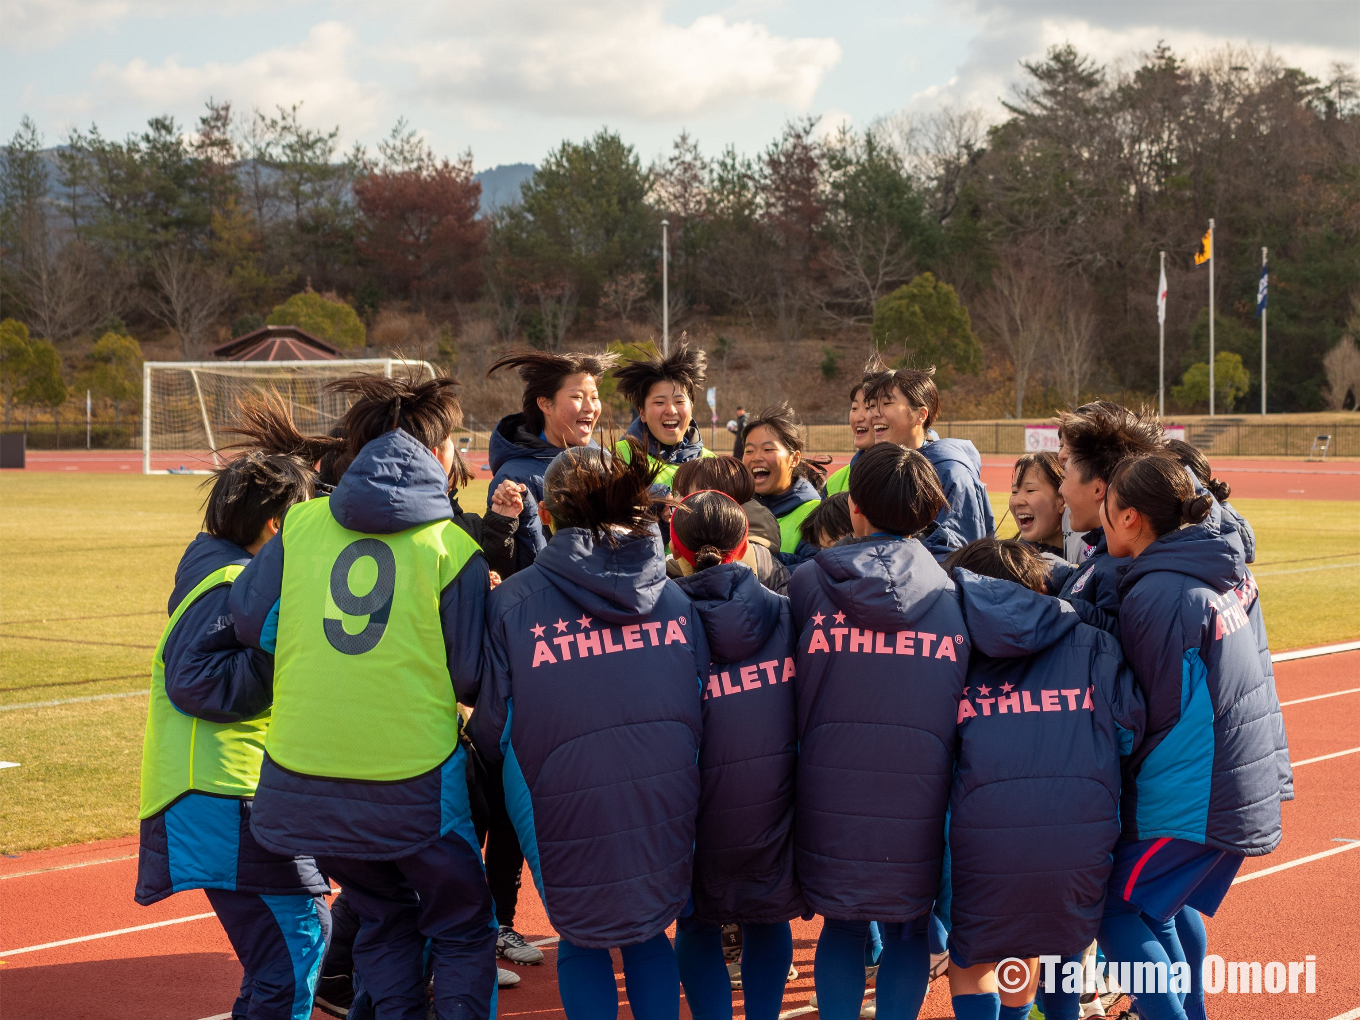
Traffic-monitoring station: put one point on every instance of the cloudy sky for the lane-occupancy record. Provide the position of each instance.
(511, 78)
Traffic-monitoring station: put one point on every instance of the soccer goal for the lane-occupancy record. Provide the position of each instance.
(188, 406)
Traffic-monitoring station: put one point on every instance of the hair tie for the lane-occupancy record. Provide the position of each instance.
(688, 555)
(396, 412)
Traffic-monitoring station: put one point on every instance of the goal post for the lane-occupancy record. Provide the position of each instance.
(189, 406)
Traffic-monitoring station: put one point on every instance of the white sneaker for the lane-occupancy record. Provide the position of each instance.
(506, 978)
(510, 944)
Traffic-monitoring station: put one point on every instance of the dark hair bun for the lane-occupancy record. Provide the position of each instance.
(1221, 489)
(708, 556)
(1196, 508)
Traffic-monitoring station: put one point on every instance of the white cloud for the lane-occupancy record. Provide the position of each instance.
(1311, 37)
(316, 72)
(615, 58)
(38, 24)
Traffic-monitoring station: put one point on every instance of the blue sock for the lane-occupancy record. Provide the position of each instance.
(985, 1006)
(703, 971)
(766, 955)
(903, 971)
(585, 983)
(1014, 1012)
(1195, 943)
(838, 968)
(1131, 938)
(652, 979)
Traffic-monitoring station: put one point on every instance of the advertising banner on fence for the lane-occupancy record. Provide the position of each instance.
(1045, 437)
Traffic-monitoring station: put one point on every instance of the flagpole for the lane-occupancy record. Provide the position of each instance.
(1211, 318)
(1161, 343)
(665, 289)
(1263, 339)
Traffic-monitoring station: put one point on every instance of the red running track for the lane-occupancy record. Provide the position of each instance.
(186, 971)
(1251, 479)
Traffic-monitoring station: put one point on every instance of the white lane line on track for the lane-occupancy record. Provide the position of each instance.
(68, 867)
(1319, 697)
(546, 942)
(1324, 757)
(1350, 1014)
(1295, 863)
(1308, 653)
(106, 934)
(218, 1016)
(72, 701)
(1305, 570)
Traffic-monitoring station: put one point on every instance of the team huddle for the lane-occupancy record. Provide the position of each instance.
(709, 691)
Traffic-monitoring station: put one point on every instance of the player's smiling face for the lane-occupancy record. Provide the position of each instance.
(667, 412)
(861, 425)
(1037, 508)
(770, 462)
(570, 416)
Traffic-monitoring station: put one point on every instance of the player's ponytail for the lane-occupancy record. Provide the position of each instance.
(1158, 487)
(709, 528)
(428, 410)
(266, 425)
(587, 487)
(1198, 464)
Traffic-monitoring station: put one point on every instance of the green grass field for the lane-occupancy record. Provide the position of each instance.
(88, 562)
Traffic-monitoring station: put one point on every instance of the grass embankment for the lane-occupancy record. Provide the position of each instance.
(89, 561)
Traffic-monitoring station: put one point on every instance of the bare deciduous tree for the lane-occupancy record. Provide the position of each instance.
(624, 291)
(62, 290)
(188, 297)
(1020, 312)
(1074, 348)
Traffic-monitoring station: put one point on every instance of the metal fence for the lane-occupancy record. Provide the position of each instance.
(1225, 438)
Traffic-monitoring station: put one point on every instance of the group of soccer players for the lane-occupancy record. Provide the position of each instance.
(709, 692)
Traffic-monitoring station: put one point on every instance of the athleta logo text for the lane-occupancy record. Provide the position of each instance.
(749, 677)
(604, 641)
(1007, 700)
(878, 642)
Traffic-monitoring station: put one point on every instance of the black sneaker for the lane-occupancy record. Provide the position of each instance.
(335, 994)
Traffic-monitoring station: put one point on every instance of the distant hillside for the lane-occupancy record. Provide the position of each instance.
(500, 184)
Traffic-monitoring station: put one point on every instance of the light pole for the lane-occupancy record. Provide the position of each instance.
(665, 289)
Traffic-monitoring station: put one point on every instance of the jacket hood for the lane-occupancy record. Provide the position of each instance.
(511, 439)
(204, 555)
(616, 581)
(1007, 620)
(739, 612)
(394, 484)
(1210, 552)
(690, 447)
(800, 492)
(885, 584)
(961, 451)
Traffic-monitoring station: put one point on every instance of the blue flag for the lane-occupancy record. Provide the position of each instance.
(1261, 289)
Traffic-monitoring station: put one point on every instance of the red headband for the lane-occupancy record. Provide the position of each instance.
(686, 554)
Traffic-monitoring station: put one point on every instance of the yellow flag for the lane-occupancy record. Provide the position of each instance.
(1206, 248)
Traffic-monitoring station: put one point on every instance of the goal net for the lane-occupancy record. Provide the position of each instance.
(189, 406)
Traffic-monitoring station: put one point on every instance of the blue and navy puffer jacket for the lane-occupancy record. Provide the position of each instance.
(743, 850)
(394, 484)
(1093, 586)
(1233, 519)
(592, 701)
(959, 466)
(800, 492)
(516, 454)
(881, 663)
(1208, 768)
(1034, 814)
(201, 841)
